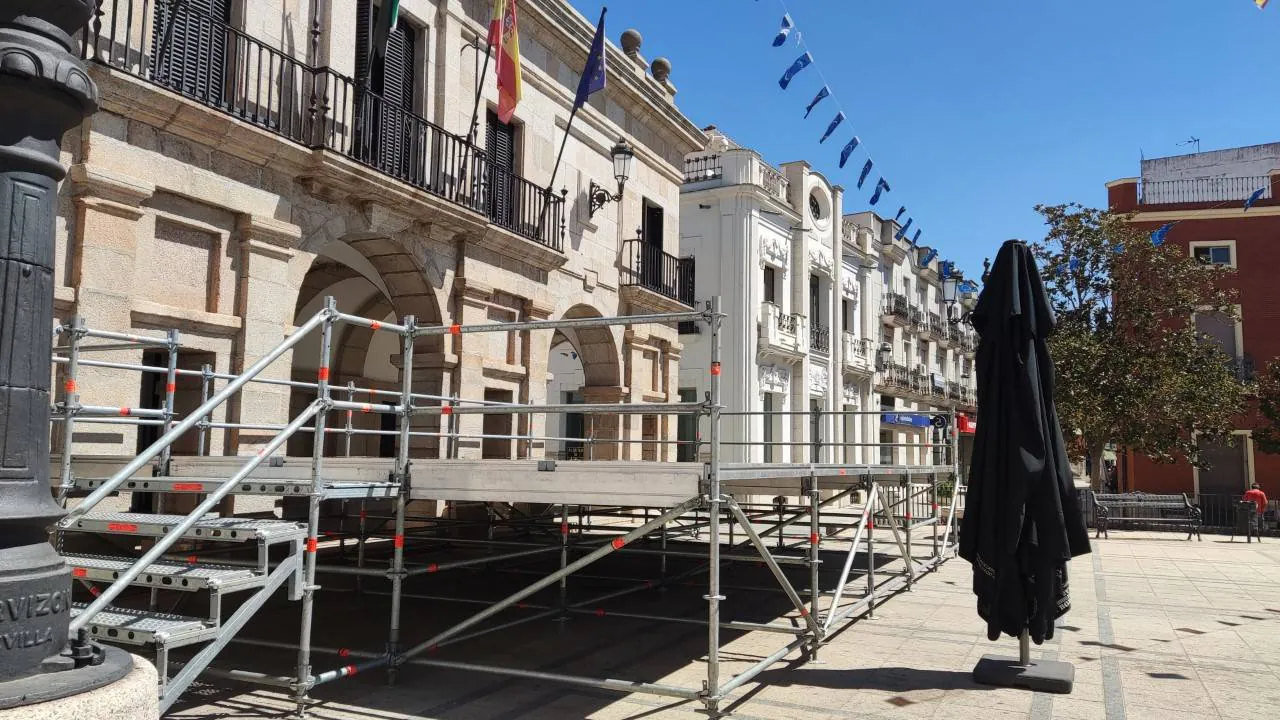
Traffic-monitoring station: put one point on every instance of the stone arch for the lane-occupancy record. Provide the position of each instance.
(601, 359)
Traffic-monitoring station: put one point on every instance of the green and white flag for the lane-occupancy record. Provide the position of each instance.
(386, 20)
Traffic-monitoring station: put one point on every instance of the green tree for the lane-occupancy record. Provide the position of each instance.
(1266, 436)
(1131, 368)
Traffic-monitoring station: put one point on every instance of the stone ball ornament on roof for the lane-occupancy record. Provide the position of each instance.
(661, 69)
(631, 41)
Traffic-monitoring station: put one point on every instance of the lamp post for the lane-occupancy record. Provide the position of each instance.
(624, 157)
(44, 92)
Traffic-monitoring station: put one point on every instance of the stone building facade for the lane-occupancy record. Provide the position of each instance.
(249, 160)
(816, 342)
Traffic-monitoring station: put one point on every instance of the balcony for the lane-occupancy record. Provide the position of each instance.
(936, 327)
(954, 391)
(1202, 190)
(783, 336)
(222, 68)
(896, 310)
(655, 279)
(820, 338)
(968, 340)
(858, 354)
(702, 169)
(938, 386)
(894, 377)
(918, 318)
(1242, 368)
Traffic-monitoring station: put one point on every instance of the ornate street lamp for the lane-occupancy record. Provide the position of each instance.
(44, 92)
(624, 157)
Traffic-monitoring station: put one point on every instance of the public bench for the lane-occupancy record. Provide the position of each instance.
(1146, 509)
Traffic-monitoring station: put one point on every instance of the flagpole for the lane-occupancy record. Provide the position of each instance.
(563, 142)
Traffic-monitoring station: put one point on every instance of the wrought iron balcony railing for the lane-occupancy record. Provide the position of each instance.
(787, 323)
(647, 266)
(175, 45)
(896, 304)
(820, 338)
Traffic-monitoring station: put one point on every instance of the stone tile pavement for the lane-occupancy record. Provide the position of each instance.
(1160, 628)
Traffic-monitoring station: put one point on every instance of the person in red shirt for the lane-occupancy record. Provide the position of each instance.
(1259, 499)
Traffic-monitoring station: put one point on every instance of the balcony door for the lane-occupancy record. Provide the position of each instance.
(189, 40)
(651, 229)
(500, 150)
(388, 134)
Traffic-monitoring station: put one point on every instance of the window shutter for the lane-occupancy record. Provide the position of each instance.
(388, 116)
(189, 47)
(500, 141)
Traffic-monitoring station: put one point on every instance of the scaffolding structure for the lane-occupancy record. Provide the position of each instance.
(700, 510)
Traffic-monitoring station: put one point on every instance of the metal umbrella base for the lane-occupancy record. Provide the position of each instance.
(1053, 676)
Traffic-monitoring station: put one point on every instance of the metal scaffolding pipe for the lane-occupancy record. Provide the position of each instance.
(564, 323)
(585, 409)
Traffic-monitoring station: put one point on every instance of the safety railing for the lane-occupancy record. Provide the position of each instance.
(820, 338)
(1198, 190)
(706, 167)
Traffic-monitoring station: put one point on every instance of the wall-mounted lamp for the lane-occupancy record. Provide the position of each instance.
(624, 157)
(884, 356)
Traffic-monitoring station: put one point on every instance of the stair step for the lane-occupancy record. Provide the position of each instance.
(251, 486)
(211, 527)
(146, 627)
(167, 574)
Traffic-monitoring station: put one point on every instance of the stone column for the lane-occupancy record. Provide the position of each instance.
(537, 356)
(603, 428)
(264, 303)
(104, 249)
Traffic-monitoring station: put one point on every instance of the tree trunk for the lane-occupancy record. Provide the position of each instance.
(1096, 468)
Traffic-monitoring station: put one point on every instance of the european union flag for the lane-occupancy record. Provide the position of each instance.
(1257, 194)
(902, 230)
(801, 63)
(866, 170)
(593, 73)
(835, 123)
(822, 95)
(848, 150)
(784, 31)
(1157, 237)
(916, 238)
(881, 186)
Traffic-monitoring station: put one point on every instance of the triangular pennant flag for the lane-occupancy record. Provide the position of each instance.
(1157, 237)
(822, 94)
(848, 150)
(1257, 194)
(835, 123)
(784, 31)
(881, 186)
(866, 170)
(801, 63)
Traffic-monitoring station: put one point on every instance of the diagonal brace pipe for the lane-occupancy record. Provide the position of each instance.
(811, 621)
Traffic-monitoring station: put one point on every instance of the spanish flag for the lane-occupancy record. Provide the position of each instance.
(505, 36)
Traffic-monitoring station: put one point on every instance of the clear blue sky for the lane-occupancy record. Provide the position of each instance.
(974, 111)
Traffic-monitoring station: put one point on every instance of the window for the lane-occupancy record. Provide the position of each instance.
(651, 225)
(1220, 328)
(770, 285)
(1212, 254)
(815, 302)
(190, 41)
(500, 148)
(940, 358)
(886, 275)
(848, 316)
(386, 138)
(815, 207)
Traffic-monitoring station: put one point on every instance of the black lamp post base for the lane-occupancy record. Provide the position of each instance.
(116, 663)
(1051, 676)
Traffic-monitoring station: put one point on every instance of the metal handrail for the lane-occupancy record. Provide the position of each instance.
(177, 431)
(163, 543)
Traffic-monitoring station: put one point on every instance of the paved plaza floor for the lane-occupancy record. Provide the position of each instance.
(1160, 628)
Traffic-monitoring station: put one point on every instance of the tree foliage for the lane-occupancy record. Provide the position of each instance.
(1266, 437)
(1131, 367)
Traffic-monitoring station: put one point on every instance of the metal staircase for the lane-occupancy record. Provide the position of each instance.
(200, 553)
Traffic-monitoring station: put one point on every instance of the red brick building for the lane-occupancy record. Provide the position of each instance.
(1204, 195)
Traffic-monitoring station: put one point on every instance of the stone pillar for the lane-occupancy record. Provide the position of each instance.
(471, 349)
(265, 306)
(603, 428)
(670, 429)
(105, 242)
(537, 356)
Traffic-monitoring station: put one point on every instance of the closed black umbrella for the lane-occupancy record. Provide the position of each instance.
(1022, 523)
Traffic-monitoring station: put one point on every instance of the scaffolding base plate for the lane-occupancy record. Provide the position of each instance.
(1052, 676)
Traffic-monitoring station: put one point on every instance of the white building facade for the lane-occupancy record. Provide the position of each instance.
(812, 349)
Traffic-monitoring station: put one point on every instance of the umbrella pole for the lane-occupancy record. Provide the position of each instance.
(1024, 648)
